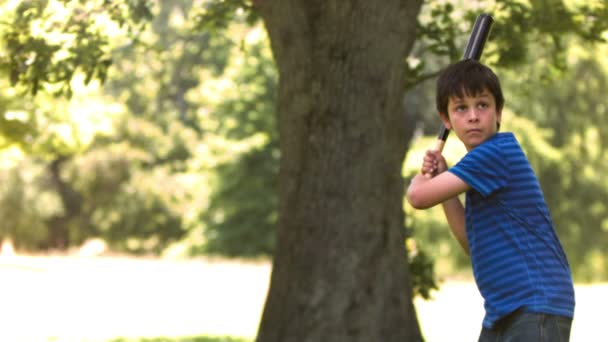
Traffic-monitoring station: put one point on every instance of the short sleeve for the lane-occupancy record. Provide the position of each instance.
(484, 168)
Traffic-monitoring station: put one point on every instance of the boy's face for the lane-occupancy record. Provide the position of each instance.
(473, 118)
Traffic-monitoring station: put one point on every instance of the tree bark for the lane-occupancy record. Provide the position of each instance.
(58, 225)
(340, 269)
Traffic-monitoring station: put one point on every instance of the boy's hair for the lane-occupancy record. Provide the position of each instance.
(467, 77)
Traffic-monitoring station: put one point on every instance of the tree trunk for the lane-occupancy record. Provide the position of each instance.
(340, 270)
(58, 225)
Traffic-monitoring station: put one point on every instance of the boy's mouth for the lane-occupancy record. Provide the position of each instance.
(474, 130)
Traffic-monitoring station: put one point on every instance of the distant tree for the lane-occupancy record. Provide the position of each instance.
(242, 213)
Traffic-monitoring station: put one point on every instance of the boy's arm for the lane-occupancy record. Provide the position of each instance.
(443, 187)
(424, 193)
(454, 212)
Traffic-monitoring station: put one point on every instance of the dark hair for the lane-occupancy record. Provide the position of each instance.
(467, 77)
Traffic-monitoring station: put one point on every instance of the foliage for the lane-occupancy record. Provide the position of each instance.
(126, 176)
(23, 207)
(217, 15)
(241, 217)
(123, 204)
(155, 78)
(16, 123)
(422, 271)
(45, 48)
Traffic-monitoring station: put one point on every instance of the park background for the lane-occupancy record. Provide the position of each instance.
(138, 199)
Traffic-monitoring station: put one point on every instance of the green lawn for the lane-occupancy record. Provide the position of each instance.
(183, 339)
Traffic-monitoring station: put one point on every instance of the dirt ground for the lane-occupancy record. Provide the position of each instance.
(90, 299)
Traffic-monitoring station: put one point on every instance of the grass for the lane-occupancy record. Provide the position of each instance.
(184, 339)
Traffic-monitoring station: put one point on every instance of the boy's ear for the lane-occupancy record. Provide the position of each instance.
(446, 120)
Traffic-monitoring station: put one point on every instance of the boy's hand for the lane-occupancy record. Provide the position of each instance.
(433, 164)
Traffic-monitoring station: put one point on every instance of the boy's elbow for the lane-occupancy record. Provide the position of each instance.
(416, 200)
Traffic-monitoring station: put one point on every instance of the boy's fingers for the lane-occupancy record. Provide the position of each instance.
(435, 153)
(432, 162)
(428, 170)
(429, 158)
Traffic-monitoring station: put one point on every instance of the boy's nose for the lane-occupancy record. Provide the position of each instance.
(473, 115)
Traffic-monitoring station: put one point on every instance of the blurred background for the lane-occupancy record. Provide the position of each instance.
(139, 200)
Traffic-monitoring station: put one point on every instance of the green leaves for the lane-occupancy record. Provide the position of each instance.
(129, 12)
(422, 272)
(242, 213)
(13, 130)
(437, 38)
(46, 43)
(441, 31)
(592, 21)
(216, 15)
(521, 28)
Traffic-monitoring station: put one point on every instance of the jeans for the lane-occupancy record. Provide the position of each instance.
(521, 326)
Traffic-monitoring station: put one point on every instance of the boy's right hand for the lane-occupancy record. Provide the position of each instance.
(433, 164)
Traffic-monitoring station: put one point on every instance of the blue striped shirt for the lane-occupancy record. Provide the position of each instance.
(518, 261)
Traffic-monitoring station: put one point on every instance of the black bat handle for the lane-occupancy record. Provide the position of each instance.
(478, 37)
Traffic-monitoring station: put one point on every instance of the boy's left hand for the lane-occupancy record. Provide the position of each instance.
(433, 164)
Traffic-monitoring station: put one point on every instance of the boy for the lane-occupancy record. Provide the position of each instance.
(518, 263)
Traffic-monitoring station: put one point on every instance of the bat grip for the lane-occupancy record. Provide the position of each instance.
(438, 147)
(440, 143)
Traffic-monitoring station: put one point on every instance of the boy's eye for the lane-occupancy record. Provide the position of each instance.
(460, 108)
(482, 105)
